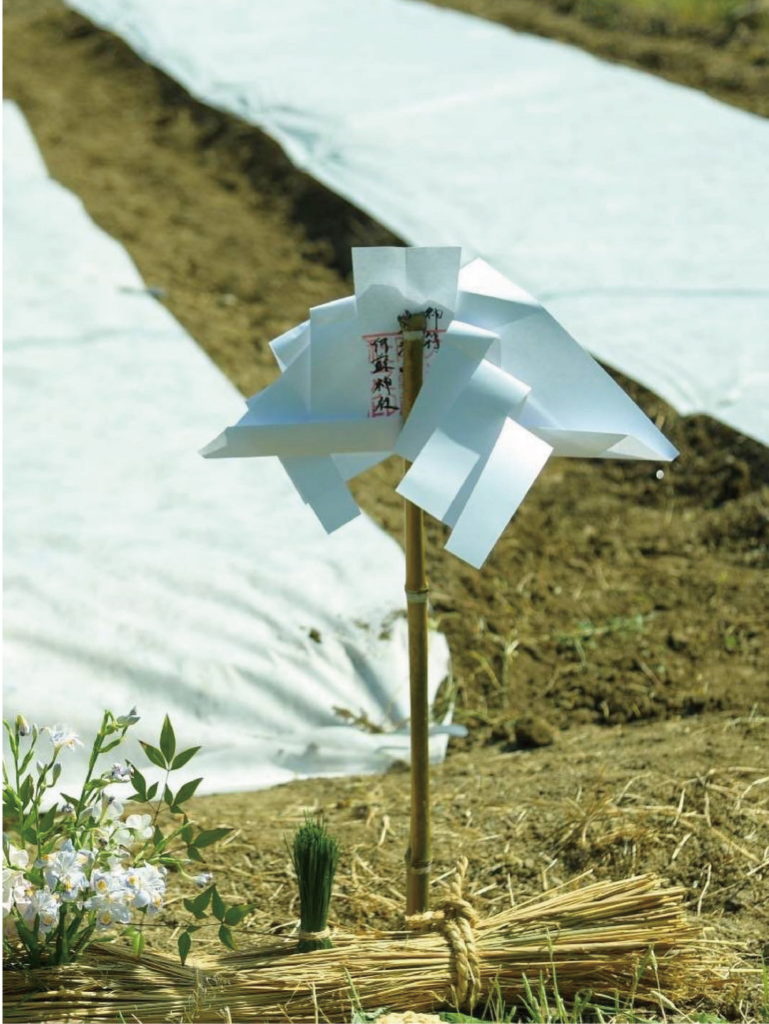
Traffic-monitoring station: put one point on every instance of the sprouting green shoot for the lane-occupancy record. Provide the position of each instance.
(315, 854)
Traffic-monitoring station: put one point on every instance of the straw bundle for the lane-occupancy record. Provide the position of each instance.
(597, 937)
(107, 984)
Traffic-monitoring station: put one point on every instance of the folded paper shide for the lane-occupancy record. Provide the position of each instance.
(505, 387)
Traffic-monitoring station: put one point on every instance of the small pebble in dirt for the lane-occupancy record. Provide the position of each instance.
(677, 641)
(533, 731)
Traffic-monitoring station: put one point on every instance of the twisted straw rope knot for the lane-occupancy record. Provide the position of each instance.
(314, 936)
(456, 921)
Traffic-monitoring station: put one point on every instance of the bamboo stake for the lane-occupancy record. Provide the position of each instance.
(418, 853)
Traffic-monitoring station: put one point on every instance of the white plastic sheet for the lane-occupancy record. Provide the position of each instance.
(136, 573)
(636, 210)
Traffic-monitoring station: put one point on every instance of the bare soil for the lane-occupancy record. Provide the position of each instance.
(610, 660)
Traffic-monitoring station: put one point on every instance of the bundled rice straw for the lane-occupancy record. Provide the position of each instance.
(595, 938)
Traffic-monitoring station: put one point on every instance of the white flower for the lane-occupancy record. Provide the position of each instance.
(203, 879)
(112, 898)
(109, 910)
(130, 719)
(63, 736)
(113, 807)
(121, 772)
(65, 870)
(16, 890)
(147, 886)
(16, 857)
(15, 885)
(110, 831)
(106, 809)
(110, 883)
(44, 905)
(140, 825)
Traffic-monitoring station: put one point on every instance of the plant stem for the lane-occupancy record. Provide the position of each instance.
(95, 751)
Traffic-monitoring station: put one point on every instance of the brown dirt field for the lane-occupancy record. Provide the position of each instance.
(622, 617)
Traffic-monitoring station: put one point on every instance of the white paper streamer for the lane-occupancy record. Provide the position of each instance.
(500, 396)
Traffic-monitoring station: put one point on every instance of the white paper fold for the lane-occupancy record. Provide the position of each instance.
(505, 387)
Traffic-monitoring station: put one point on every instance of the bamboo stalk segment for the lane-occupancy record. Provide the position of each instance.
(418, 853)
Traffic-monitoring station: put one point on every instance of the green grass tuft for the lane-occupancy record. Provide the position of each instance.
(315, 855)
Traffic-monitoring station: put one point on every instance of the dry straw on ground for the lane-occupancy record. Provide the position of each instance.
(626, 942)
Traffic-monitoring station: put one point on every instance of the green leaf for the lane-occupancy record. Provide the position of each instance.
(152, 791)
(139, 784)
(186, 831)
(225, 936)
(210, 836)
(186, 791)
(168, 796)
(153, 754)
(460, 1018)
(27, 935)
(82, 939)
(183, 757)
(235, 915)
(26, 790)
(189, 905)
(46, 821)
(11, 803)
(185, 944)
(217, 905)
(71, 931)
(136, 936)
(195, 855)
(111, 746)
(167, 740)
(197, 906)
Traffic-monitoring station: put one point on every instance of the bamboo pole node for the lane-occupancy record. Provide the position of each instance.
(423, 869)
(456, 921)
(417, 596)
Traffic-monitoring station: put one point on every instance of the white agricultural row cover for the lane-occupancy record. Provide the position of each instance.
(635, 209)
(136, 573)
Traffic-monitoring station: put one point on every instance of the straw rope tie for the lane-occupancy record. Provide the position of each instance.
(314, 936)
(456, 921)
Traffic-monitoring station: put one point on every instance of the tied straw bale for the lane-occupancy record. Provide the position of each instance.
(628, 940)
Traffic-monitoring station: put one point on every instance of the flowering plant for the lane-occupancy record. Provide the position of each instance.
(74, 868)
